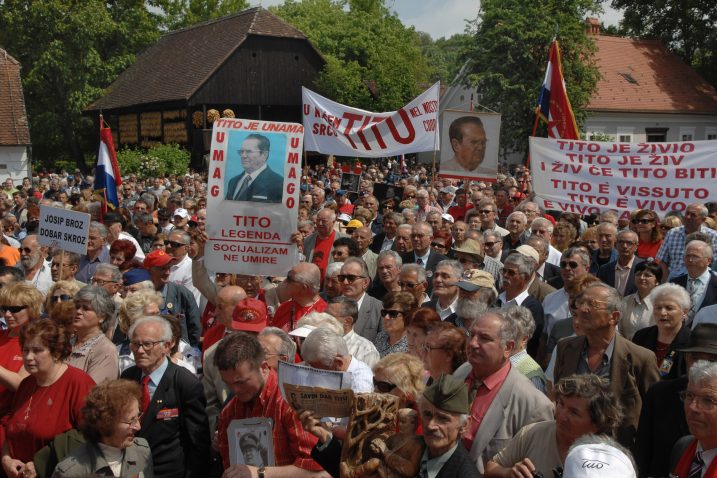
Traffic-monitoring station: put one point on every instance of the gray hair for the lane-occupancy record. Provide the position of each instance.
(520, 215)
(405, 226)
(542, 222)
(330, 212)
(613, 296)
(526, 265)
(333, 269)
(704, 245)
(397, 218)
(323, 345)
(491, 233)
(305, 222)
(609, 216)
(349, 307)
(408, 212)
(393, 255)
(508, 329)
(72, 258)
(425, 225)
(420, 271)
(672, 291)
(576, 251)
(540, 242)
(523, 320)
(608, 225)
(150, 199)
(99, 227)
(360, 262)
(311, 278)
(182, 234)
(166, 328)
(321, 319)
(434, 213)
(112, 269)
(288, 347)
(703, 370)
(455, 267)
(144, 218)
(101, 302)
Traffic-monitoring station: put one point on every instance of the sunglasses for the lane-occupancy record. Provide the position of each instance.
(490, 244)
(642, 221)
(391, 313)
(383, 387)
(485, 211)
(174, 244)
(61, 298)
(408, 285)
(349, 277)
(438, 244)
(13, 309)
(571, 264)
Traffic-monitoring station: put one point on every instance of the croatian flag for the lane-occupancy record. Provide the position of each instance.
(107, 174)
(553, 103)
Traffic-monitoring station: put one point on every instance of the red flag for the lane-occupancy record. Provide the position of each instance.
(107, 174)
(553, 103)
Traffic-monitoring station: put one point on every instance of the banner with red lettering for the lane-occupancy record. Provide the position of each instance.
(588, 177)
(252, 208)
(333, 128)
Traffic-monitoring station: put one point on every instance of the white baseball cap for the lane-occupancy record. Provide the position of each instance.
(598, 460)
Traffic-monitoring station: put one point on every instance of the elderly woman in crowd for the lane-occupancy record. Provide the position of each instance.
(590, 238)
(519, 358)
(564, 235)
(92, 351)
(670, 222)
(392, 338)
(139, 304)
(670, 306)
(111, 418)
(417, 322)
(646, 224)
(583, 404)
(60, 301)
(636, 309)
(122, 254)
(444, 349)
(20, 303)
(400, 374)
(48, 401)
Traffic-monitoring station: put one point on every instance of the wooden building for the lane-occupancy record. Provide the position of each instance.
(252, 63)
(14, 128)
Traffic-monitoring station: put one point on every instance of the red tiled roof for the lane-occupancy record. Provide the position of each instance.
(14, 129)
(181, 61)
(642, 76)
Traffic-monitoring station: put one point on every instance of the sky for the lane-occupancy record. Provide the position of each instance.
(441, 18)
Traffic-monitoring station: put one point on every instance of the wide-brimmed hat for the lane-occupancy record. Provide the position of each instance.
(473, 279)
(702, 339)
(470, 246)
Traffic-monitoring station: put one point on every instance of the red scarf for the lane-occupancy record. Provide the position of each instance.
(683, 466)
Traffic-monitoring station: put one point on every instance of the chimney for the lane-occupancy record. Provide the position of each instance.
(592, 26)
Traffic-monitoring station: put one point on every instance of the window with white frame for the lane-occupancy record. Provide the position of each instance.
(687, 134)
(710, 133)
(625, 135)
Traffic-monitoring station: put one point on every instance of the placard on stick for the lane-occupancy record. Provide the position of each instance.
(64, 229)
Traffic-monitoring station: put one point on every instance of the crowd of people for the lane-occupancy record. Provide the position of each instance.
(519, 342)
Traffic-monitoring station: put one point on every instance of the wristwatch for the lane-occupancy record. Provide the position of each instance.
(261, 472)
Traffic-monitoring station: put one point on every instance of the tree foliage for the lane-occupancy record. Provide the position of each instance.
(70, 50)
(373, 61)
(445, 56)
(509, 53)
(160, 160)
(687, 27)
(177, 14)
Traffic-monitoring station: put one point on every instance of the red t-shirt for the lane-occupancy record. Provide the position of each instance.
(282, 318)
(11, 359)
(213, 335)
(458, 212)
(648, 249)
(322, 252)
(40, 413)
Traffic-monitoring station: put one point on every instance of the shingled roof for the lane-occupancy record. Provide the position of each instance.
(641, 76)
(175, 67)
(14, 129)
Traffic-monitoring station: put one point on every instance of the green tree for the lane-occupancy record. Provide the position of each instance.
(445, 56)
(177, 14)
(509, 53)
(373, 61)
(70, 50)
(686, 27)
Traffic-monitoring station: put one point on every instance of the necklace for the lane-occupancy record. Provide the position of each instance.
(41, 390)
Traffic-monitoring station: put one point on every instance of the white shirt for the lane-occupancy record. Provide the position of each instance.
(181, 273)
(387, 244)
(517, 300)
(554, 256)
(555, 307)
(445, 313)
(361, 376)
(362, 348)
(42, 279)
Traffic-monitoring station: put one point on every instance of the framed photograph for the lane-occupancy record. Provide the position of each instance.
(350, 182)
(250, 442)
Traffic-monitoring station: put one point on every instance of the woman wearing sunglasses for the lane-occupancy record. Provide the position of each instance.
(392, 338)
(646, 224)
(444, 349)
(59, 302)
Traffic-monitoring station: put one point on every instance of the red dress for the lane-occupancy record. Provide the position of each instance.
(11, 359)
(40, 413)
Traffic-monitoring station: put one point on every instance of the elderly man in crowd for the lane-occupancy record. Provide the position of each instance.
(488, 215)
(384, 241)
(699, 280)
(175, 421)
(241, 361)
(606, 253)
(422, 254)
(503, 399)
(362, 236)
(66, 262)
(672, 251)
(32, 262)
(403, 242)
(346, 311)
(302, 286)
(476, 293)
(630, 368)
(620, 273)
(471, 256)
(516, 224)
(519, 358)
(545, 271)
(388, 267)
(277, 345)
(543, 228)
(445, 289)
(493, 245)
(325, 349)
(318, 247)
(412, 279)
(181, 271)
(97, 252)
(355, 281)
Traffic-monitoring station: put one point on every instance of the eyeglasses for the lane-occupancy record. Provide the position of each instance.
(383, 387)
(407, 285)
(411, 196)
(61, 298)
(485, 211)
(626, 243)
(571, 264)
(693, 257)
(438, 244)
(101, 282)
(391, 313)
(244, 152)
(147, 346)
(702, 403)
(26, 250)
(174, 244)
(590, 302)
(131, 421)
(13, 309)
(490, 244)
(642, 221)
(349, 277)
(427, 348)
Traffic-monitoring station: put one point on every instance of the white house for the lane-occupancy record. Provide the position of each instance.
(14, 129)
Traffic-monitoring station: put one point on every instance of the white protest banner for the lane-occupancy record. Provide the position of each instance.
(587, 177)
(254, 174)
(64, 229)
(333, 128)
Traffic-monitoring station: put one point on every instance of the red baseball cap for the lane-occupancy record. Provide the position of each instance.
(157, 258)
(249, 315)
